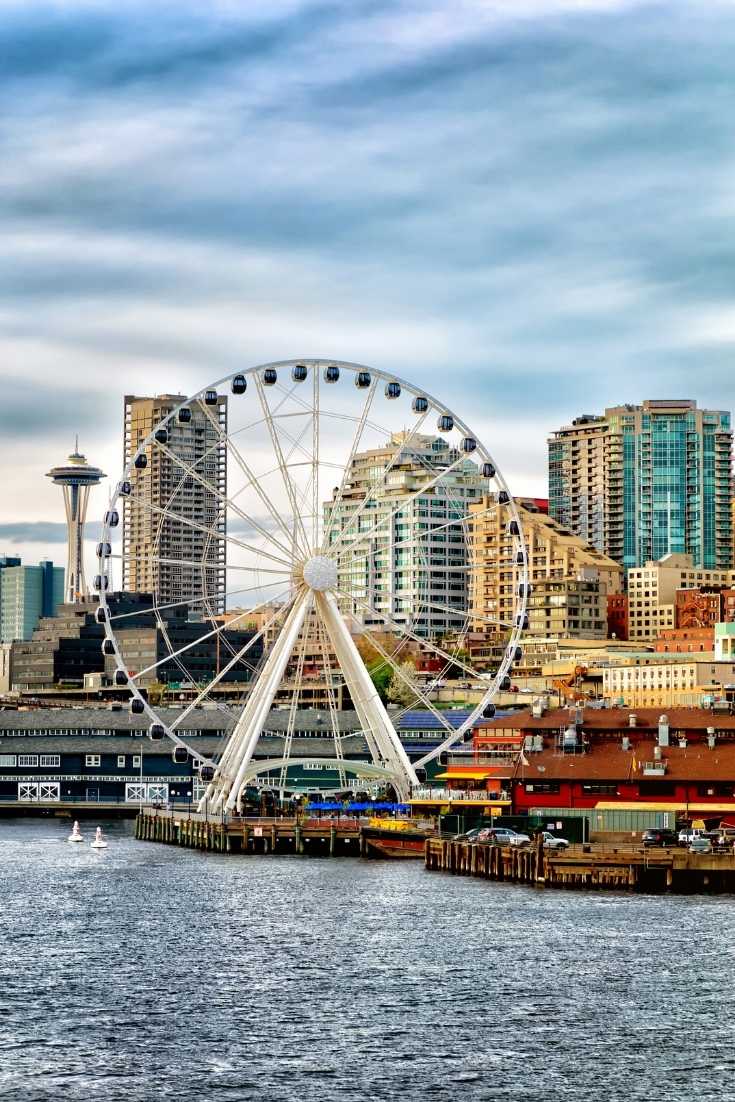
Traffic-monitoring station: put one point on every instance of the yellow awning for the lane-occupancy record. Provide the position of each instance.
(466, 775)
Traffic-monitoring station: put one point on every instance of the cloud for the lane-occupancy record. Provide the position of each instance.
(41, 532)
(525, 206)
(50, 409)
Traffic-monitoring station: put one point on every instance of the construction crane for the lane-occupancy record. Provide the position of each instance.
(569, 688)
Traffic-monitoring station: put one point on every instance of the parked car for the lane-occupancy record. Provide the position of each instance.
(659, 837)
(688, 834)
(702, 844)
(726, 837)
(469, 835)
(552, 842)
(504, 836)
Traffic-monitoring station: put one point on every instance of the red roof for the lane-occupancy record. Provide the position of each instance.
(607, 761)
(612, 720)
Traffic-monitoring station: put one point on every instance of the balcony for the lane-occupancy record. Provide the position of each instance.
(457, 795)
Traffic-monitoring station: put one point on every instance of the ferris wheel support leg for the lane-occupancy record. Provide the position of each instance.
(247, 731)
(368, 705)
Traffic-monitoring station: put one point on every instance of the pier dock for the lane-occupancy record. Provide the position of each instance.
(235, 834)
(592, 865)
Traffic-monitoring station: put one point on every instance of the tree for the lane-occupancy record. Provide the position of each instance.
(380, 674)
(399, 692)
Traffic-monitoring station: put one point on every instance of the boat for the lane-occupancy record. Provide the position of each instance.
(76, 834)
(401, 838)
(99, 841)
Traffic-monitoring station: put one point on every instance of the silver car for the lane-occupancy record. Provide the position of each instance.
(504, 836)
(552, 842)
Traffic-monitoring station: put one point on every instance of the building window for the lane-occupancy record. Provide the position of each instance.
(7, 761)
(121, 761)
(136, 761)
(92, 760)
(28, 760)
(51, 761)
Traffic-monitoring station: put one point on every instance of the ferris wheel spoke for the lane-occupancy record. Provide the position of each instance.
(386, 522)
(334, 719)
(199, 564)
(381, 481)
(228, 626)
(253, 480)
(249, 726)
(419, 537)
(228, 502)
(395, 625)
(315, 441)
(299, 533)
(401, 674)
(293, 708)
(191, 601)
(471, 617)
(383, 742)
(213, 532)
(237, 657)
(335, 504)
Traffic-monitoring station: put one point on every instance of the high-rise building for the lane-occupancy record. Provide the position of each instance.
(554, 556)
(76, 477)
(27, 593)
(415, 573)
(175, 520)
(641, 482)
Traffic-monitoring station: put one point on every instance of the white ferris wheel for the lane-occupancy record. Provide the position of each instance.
(317, 528)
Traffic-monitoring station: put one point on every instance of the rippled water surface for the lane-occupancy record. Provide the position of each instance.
(149, 972)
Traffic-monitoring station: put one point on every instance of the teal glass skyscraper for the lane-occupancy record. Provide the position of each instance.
(641, 482)
(26, 594)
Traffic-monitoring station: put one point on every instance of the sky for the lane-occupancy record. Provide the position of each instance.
(526, 207)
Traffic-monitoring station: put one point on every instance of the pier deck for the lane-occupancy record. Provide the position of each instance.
(592, 865)
(235, 834)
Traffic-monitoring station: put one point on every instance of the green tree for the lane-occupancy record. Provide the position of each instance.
(380, 674)
(399, 692)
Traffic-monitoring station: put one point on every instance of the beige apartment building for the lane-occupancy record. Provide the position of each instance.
(652, 592)
(680, 681)
(565, 573)
(174, 543)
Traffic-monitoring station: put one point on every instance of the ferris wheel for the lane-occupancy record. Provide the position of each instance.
(311, 533)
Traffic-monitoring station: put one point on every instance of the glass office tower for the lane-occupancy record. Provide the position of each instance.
(640, 482)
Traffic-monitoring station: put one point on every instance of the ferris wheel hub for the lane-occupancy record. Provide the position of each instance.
(320, 573)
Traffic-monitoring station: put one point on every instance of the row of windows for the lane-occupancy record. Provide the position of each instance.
(53, 761)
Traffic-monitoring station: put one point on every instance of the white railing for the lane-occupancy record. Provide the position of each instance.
(459, 794)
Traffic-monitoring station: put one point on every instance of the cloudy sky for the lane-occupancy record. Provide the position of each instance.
(528, 206)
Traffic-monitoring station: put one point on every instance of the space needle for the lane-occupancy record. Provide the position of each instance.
(76, 477)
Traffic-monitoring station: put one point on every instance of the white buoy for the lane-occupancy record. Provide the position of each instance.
(76, 834)
(99, 842)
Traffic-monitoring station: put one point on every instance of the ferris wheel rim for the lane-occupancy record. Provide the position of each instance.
(316, 364)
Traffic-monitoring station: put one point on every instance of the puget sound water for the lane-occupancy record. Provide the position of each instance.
(150, 972)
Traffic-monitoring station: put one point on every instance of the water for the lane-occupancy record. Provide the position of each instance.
(148, 972)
